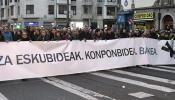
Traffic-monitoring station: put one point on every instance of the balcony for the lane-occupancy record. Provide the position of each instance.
(61, 16)
(63, 1)
(109, 17)
(87, 2)
(73, 2)
(86, 16)
(112, 3)
(100, 3)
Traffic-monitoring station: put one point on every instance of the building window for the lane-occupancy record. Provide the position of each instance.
(10, 1)
(111, 0)
(73, 9)
(19, 10)
(1, 2)
(170, 2)
(8, 12)
(167, 2)
(100, 1)
(99, 11)
(2, 12)
(12, 10)
(87, 9)
(6, 2)
(29, 9)
(51, 9)
(110, 11)
(62, 9)
(17, 0)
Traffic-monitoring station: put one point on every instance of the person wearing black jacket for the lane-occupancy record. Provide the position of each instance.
(109, 35)
(85, 34)
(123, 33)
(25, 36)
(1, 37)
(98, 35)
(153, 34)
(43, 36)
(17, 35)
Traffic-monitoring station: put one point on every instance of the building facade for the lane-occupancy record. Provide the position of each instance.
(95, 13)
(48, 13)
(160, 15)
(27, 12)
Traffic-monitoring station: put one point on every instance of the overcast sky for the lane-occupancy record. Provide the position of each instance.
(138, 3)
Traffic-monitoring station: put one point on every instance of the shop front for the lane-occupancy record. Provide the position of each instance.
(144, 21)
(167, 22)
(33, 24)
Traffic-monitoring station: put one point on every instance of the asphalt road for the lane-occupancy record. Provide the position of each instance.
(135, 83)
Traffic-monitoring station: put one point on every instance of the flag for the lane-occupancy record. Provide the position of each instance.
(130, 21)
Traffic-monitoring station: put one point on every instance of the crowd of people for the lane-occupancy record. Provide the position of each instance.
(38, 34)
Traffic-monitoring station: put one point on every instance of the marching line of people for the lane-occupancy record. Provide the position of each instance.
(36, 34)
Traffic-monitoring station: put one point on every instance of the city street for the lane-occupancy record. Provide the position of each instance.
(87, 50)
(135, 83)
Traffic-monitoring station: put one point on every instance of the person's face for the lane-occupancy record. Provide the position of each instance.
(37, 32)
(58, 33)
(136, 31)
(109, 31)
(43, 33)
(24, 35)
(130, 33)
(18, 32)
(6, 29)
(53, 31)
(98, 33)
(124, 31)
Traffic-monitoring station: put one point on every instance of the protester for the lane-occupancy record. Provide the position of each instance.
(7, 34)
(98, 35)
(1, 37)
(153, 34)
(109, 34)
(36, 35)
(43, 36)
(86, 33)
(146, 34)
(75, 34)
(67, 34)
(24, 36)
(137, 33)
(123, 33)
(57, 35)
(17, 35)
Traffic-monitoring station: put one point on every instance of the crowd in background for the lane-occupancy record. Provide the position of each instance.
(86, 33)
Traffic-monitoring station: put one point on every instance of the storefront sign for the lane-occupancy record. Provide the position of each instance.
(31, 23)
(144, 16)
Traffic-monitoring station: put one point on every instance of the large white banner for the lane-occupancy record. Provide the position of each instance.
(19, 60)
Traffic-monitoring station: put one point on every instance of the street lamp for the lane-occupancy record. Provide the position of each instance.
(1, 11)
(56, 12)
(67, 23)
(159, 18)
